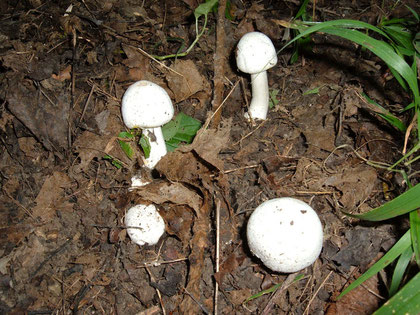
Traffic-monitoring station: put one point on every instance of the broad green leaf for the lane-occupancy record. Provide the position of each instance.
(126, 147)
(182, 129)
(408, 201)
(145, 145)
(400, 269)
(126, 135)
(205, 8)
(403, 243)
(406, 301)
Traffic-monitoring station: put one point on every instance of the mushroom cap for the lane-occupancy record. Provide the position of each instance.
(146, 105)
(285, 234)
(255, 53)
(148, 222)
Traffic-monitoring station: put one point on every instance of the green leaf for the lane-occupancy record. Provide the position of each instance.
(406, 301)
(415, 233)
(273, 101)
(145, 145)
(182, 129)
(403, 243)
(126, 147)
(402, 204)
(126, 135)
(270, 290)
(380, 48)
(205, 8)
(399, 270)
(385, 114)
(401, 35)
(114, 162)
(313, 91)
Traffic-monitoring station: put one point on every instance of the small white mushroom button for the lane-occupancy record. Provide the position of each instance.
(285, 234)
(144, 224)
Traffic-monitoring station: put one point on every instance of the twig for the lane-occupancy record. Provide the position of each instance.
(220, 106)
(216, 285)
(203, 308)
(87, 102)
(219, 62)
(286, 283)
(246, 136)
(241, 168)
(316, 292)
(157, 291)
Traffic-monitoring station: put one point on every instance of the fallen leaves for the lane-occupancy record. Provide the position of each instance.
(51, 197)
(186, 80)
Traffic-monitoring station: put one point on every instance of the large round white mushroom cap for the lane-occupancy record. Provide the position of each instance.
(285, 234)
(255, 53)
(148, 223)
(146, 105)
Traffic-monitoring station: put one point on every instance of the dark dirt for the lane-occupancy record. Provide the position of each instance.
(64, 248)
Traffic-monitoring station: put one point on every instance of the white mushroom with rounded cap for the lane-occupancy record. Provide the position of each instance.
(285, 234)
(255, 54)
(146, 105)
(144, 224)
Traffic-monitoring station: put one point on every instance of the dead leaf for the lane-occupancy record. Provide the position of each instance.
(50, 198)
(188, 83)
(160, 192)
(356, 184)
(360, 301)
(63, 75)
(179, 220)
(45, 117)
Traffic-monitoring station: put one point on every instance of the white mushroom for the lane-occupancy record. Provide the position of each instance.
(147, 106)
(285, 234)
(255, 54)
(144, 224)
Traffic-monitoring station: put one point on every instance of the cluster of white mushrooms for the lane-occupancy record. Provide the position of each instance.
(284, 233)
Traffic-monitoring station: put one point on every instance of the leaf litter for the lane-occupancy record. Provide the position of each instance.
(65, 246)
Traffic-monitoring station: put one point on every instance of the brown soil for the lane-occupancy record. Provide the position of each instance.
(64, 248)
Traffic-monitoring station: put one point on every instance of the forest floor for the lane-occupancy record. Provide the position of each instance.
(63, 245)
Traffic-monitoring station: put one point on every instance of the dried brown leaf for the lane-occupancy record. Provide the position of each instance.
(51, 196)
(160, 192)
(189, 83)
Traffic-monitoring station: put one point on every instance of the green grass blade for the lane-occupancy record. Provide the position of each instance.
(383, 51)
(415, 233)
(379, 48)
(399, 270)
(408, 201)
(406, 301)
(403, 243)
(270, 290)
(385, 114)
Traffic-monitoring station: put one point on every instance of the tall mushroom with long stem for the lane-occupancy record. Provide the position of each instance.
(255, 54)
(146, 105)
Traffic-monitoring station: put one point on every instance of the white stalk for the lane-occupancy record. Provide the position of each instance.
(157, 146)
(259, 103)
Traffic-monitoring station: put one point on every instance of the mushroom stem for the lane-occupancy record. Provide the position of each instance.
(157, 146)
(259, 104)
